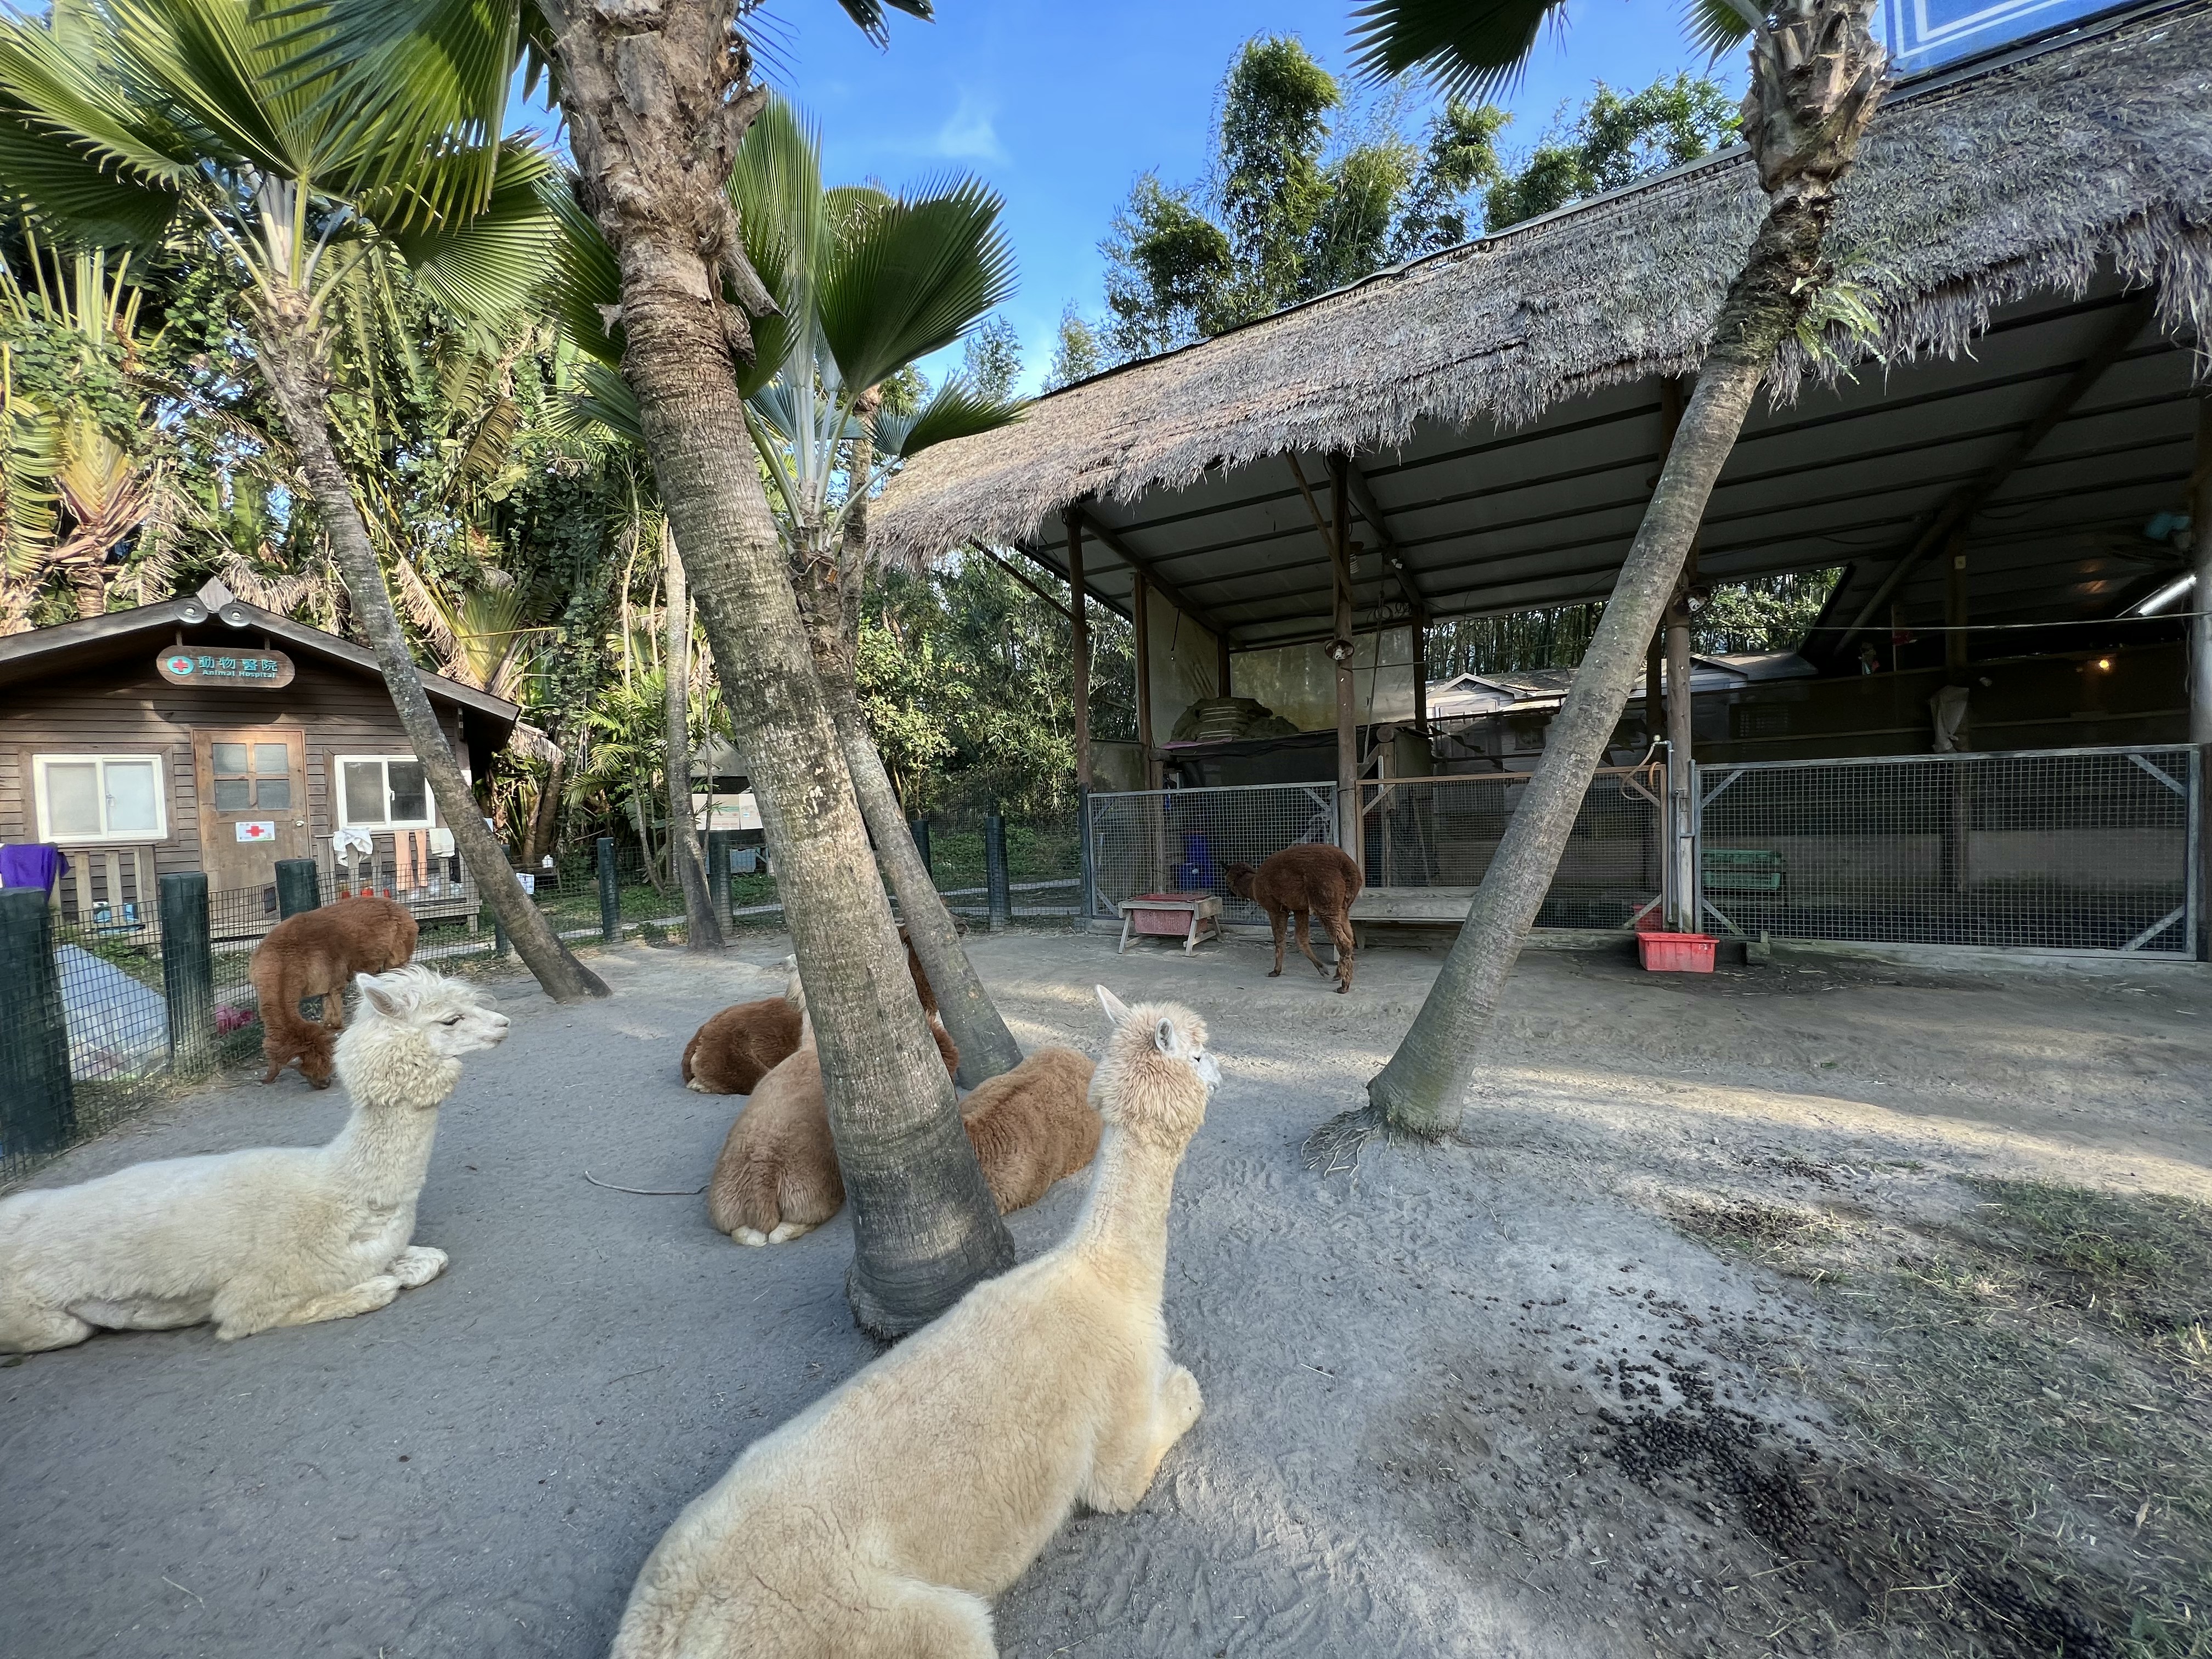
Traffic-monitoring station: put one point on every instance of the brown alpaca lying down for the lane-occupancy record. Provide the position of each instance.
(316, 954)
(1309, 880)
(1032, 1125)
(777, 1175)
(738, 1047)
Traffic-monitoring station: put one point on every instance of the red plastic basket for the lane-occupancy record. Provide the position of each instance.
(1675, 953)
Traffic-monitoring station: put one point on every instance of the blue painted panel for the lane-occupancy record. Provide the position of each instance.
(1922, 34)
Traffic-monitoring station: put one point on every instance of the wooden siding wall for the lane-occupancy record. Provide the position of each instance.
(124, 709)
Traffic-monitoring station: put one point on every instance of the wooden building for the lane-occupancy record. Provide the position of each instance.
(204, 733)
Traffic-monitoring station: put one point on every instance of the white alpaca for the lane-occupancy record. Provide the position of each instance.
(272, 1235)
(881, 1522)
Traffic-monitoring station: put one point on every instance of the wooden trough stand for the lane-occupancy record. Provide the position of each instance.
(1189, 917)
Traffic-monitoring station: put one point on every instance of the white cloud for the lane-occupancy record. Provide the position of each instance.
(968, 134)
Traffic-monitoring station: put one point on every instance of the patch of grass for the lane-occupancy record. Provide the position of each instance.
(2040, 1371)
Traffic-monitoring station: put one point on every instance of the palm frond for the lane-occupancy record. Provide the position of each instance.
(956, 411)
(869, 15)
(1718, 26)
(914, 277)
(587, 282)
(490, 264)
(1469, 49)
(607, 399)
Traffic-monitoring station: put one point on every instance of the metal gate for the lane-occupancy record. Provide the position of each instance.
(2064, 849)
(1182, 840)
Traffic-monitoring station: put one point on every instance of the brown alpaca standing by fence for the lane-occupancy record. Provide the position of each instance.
(316, 954)
(1309, 880)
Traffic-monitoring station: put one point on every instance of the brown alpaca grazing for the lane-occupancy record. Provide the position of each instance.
(1309, 880)
(777, 1174)
(316, 954)
(738, 1047)
(1032, 1126)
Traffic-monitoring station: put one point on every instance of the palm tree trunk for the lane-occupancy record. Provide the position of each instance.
(830, 603)
(703, 928)
(657, 99)
(1816, 76)
(545, 817)
(292, 359)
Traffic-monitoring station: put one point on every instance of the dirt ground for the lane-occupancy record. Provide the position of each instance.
(1816, 1307)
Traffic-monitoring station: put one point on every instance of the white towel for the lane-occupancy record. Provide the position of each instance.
(441, 842)
(346, 842)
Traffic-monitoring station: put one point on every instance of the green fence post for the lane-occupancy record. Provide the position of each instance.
(995, 880)
(921, 829)
(718, 871)
(299, 886)
(609, 893)
(188, 973)
(38, 1107)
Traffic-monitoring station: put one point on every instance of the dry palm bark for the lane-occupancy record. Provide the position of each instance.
(1816, 77)
(658, 95)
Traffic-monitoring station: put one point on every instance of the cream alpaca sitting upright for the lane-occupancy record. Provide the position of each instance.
(269, 1237)
(881, 1522)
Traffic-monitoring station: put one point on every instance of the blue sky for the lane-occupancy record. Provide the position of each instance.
(1061, 107)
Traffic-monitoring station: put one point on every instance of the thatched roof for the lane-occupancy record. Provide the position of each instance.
(2028, 175)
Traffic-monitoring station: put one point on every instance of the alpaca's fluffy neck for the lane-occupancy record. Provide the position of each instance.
(398, 1085)
(1124, 1228)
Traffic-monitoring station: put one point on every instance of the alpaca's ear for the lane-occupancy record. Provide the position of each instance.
(1166, 1038)
(1115, 1012)
(387, 1003)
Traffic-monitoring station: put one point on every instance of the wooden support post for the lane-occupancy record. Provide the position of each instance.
(1140, 619)
(1078, 617)
(918, 828)
(1340, 649)
(298, 885)
(1221, 665)
(1954, 607)
(1654, 708)
(188, 972)
(609, 893)
(37, 1103)
(1682, 889)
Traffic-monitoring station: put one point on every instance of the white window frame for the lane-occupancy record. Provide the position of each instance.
(338, 782)
(127, 838)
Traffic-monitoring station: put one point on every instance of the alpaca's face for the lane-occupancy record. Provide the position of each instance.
(465, 1028)
(453, 1018)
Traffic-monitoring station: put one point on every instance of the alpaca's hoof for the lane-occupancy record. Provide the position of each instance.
(1274, 973)
(696, 1086)
(788, 1231)
(748, 1236)
(1341, 988)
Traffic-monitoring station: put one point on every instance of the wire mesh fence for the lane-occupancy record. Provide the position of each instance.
(1043, 861)
(2070, 849)
(1183, 840)
(1442, 833)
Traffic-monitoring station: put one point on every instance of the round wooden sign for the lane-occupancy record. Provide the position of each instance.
(196, 665)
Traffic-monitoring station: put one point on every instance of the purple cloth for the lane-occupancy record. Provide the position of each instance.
(32, 864)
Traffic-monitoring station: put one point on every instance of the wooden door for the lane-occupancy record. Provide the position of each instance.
(253, 805)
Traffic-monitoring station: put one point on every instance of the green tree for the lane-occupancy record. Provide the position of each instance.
(992, 358)
(127, 123)
(1816, 74)
(1077, 353)
(1613, 141)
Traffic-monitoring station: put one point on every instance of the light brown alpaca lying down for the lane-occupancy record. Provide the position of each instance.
(316, 954)
(777, 1176)
(1032, 1126)
(738, 1047)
